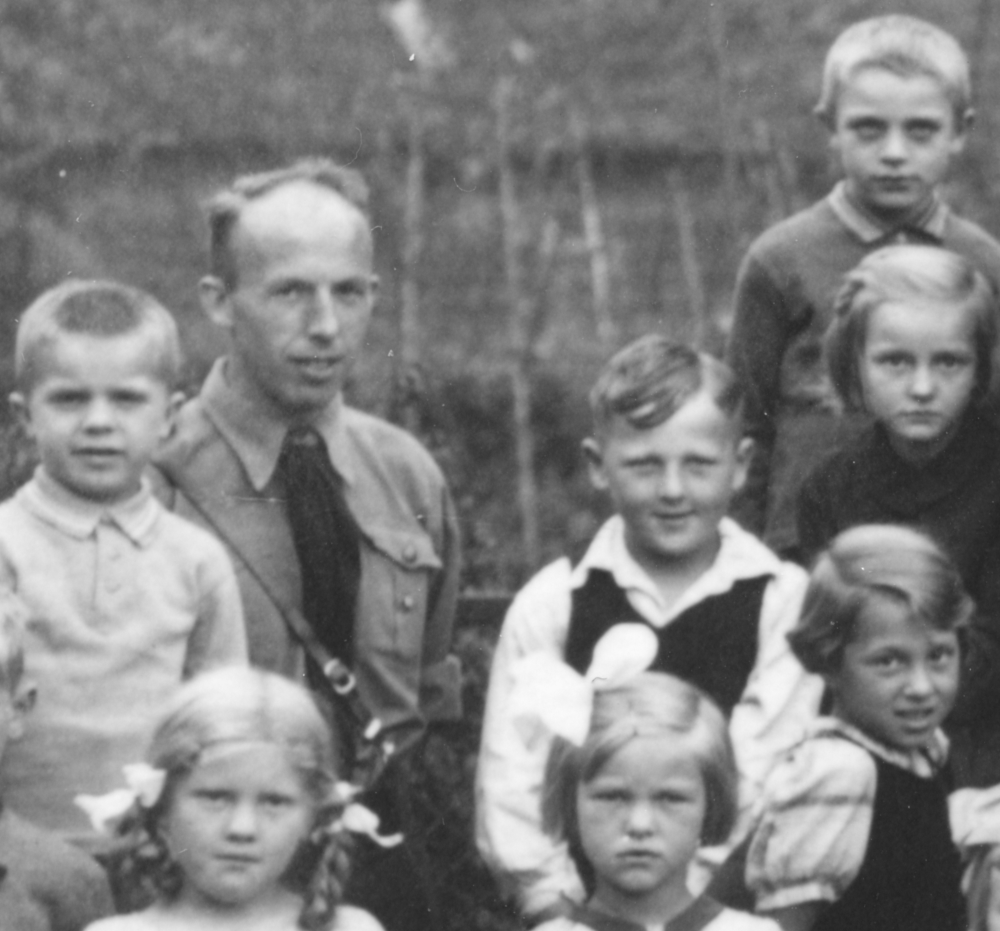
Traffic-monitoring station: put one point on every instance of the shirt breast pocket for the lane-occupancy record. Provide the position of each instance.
(397, 575)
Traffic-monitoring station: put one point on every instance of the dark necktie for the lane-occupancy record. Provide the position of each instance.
(327, 540)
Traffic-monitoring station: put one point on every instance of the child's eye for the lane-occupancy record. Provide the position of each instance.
(943, 655)
(922, 132)
(951, 363)
(275, 801)
(214, 798)
(894, 361)
(886, 661)
(868, 130)
(610, 795)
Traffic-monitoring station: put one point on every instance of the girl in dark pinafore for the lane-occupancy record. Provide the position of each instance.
(853, 833)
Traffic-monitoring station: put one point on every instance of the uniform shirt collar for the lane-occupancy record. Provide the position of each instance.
(256, 433)
(79, 517)
(925, 762)
(931, 223)
(741, 556)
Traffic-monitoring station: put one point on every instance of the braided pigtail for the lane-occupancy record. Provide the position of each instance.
(326, 858)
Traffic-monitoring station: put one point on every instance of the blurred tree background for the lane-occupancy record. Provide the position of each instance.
(550, 178)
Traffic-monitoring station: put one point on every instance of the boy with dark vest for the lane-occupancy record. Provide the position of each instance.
(668, 449)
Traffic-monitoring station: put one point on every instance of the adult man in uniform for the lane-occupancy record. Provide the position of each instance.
(327, 510)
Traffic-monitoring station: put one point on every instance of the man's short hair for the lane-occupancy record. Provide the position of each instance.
(908, 274)
(13, 621)
(903, 45)
(648, 381)
(98, 309)
(225, 208)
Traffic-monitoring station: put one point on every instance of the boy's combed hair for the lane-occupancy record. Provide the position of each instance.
(649, 380)
(908, 274)
(100, 309)
(903, 45)
(13, 621)
(225, 208)
(236, 705)
(652, 704)
(867, 567)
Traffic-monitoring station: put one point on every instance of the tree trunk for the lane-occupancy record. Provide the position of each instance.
(521, 312)
(684, 218)
(593, 232)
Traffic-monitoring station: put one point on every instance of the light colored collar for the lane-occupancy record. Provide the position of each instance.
(257, 433)
(925, 762)
(741, 556)
(869, 230)
(78, 517)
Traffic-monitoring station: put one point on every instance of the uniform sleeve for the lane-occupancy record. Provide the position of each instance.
(755, 351)
(511, 769)
(812, 833)
(219, 637)
(781, 699)
(82, 897)
(440, 680)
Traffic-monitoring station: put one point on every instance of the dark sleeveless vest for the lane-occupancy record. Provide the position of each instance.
(712, 644)
(911, 874)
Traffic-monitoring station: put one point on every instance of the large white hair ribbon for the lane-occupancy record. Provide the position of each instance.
(548, 692)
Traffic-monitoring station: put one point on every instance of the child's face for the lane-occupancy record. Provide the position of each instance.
(97, 413)
(234, 824)
(672, 484)
(640, 819)
(918, 374)
(898, 677)
(895, 137)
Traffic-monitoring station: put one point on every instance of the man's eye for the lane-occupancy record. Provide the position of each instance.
(291, 289)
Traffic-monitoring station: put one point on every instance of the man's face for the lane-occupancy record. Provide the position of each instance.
(303, 297)
(895, 137)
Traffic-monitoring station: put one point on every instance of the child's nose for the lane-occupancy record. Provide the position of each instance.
(671, 482)
(99, 415)
(242, 820)
(919, 681)
(640, 819)
(894, 148)
(922, 382)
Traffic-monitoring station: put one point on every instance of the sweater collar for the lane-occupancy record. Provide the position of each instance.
(928, 227)
(78, 517)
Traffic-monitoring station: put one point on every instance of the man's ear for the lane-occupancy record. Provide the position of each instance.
(594, 455)
(22, 412)
(22, 701)
(744, 456)
(216, 301)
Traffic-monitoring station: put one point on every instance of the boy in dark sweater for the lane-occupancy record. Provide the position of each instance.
(896, 102)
